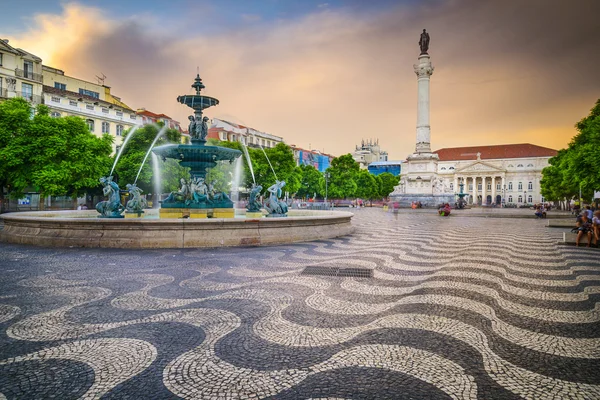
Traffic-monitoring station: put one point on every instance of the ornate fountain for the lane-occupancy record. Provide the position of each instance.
(196, 198)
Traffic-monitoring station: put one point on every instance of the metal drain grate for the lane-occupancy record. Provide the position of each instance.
(337, 271)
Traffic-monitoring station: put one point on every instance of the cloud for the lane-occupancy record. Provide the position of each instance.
(508, 72)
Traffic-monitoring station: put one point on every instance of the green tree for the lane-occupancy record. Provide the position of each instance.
(576, 167)
(343, 171)
(133, 154)
(55, 156)
(366, 185)
(281, 158)
(311, 182)
(387, 183)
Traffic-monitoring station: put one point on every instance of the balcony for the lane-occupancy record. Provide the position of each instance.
(33, 98)
(21, 73)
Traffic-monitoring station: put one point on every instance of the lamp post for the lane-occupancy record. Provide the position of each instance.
(524, 197)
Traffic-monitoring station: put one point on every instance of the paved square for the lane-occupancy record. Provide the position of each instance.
(457, 307)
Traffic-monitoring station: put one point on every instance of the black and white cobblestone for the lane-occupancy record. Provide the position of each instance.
(455, 310)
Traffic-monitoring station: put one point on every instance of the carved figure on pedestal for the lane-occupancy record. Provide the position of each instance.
(274, 206)
(137, 202)
(253, 203)
(424, 42)
(182, 196)
(112, 207)
(192, 126)
(199, 191)
(203, 128)
(214, 195)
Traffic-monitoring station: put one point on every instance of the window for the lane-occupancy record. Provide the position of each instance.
(105, 110)
(27, 91)
(105, 127)
(510, 186)
(119, 113)
(451, 185)
(90, 124)
(233, 138)
(27, 69)
(55, 114)
(89, 107)
(85, 92)
(543, 200)
(119, 130)
(470, 187)
(61, 86)
(132, 116)
(479, 187)
(520, 166)
(55, 99)
(529, 165)
(0, 59)
(530, 186)
(520, 186)
(263, 142)
(530, 199)
(510, 199)
(498, 186)
(451, 168)
(510, 165)
(520, 200)
(489, 186)
(443, 168)
(73, 103)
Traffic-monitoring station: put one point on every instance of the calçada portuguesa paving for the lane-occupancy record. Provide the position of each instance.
(457, 307)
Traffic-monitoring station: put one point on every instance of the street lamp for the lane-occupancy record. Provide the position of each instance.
(524, 197)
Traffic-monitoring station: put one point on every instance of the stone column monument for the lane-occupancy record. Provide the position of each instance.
(419, 181)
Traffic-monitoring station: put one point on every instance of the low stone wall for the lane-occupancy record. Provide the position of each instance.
(83, 229)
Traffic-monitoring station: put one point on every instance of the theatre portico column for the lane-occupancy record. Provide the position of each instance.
(493, 190)
(474, 201)
(483, 191)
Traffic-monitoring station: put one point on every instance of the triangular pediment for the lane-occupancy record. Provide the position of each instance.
(8, 48)
(480, 166)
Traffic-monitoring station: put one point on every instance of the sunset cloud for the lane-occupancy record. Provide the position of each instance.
(505, 72)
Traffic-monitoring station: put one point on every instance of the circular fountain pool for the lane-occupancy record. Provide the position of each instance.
(84, 229)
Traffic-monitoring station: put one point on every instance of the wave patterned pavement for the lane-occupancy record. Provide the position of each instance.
(455, 308)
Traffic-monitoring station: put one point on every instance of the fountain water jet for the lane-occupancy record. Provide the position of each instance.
(158, 135)
(237, 179)
(249, 162)
(129, 135)
(157, 180)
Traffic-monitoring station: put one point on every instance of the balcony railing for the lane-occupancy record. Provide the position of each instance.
(21, 73)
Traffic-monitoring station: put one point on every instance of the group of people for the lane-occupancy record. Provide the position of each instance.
(444, 210)
(540, 210)
(588, 224)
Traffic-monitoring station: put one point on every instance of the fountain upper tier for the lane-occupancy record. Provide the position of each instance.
(197, 156)
(198, 101)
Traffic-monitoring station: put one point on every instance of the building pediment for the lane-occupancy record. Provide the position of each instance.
(480, 166)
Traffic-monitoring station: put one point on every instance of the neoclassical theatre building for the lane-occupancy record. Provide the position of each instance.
(503, 174)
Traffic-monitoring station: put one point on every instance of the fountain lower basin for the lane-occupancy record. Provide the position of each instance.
(83, 229)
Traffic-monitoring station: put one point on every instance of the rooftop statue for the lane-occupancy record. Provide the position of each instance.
(424, 42)
(112, 207)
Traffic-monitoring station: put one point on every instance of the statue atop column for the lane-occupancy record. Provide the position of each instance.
(424, 42)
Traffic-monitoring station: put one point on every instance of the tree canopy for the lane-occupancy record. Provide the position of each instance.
(342, 172)
(577, 166)
(311, 182)
(55, 156)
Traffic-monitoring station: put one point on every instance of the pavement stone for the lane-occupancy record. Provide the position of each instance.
(457, 308)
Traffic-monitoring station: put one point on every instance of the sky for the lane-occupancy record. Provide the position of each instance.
(327, 74)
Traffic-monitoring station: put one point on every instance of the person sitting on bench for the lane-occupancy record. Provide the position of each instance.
(584, 227)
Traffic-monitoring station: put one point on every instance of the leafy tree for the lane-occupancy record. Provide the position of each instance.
(366, 185)
(133, 154)
(311, 182)
(55, 156)
(343, 171)
(387, 183)
(576, 166)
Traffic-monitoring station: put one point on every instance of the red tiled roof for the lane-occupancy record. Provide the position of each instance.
(522, 150)
(152, 115)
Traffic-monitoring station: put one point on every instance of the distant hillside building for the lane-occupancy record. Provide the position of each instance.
(102, 111)
(228, 131)
(20, 74)
(379, 167)
(320, 161)
(369, 152)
